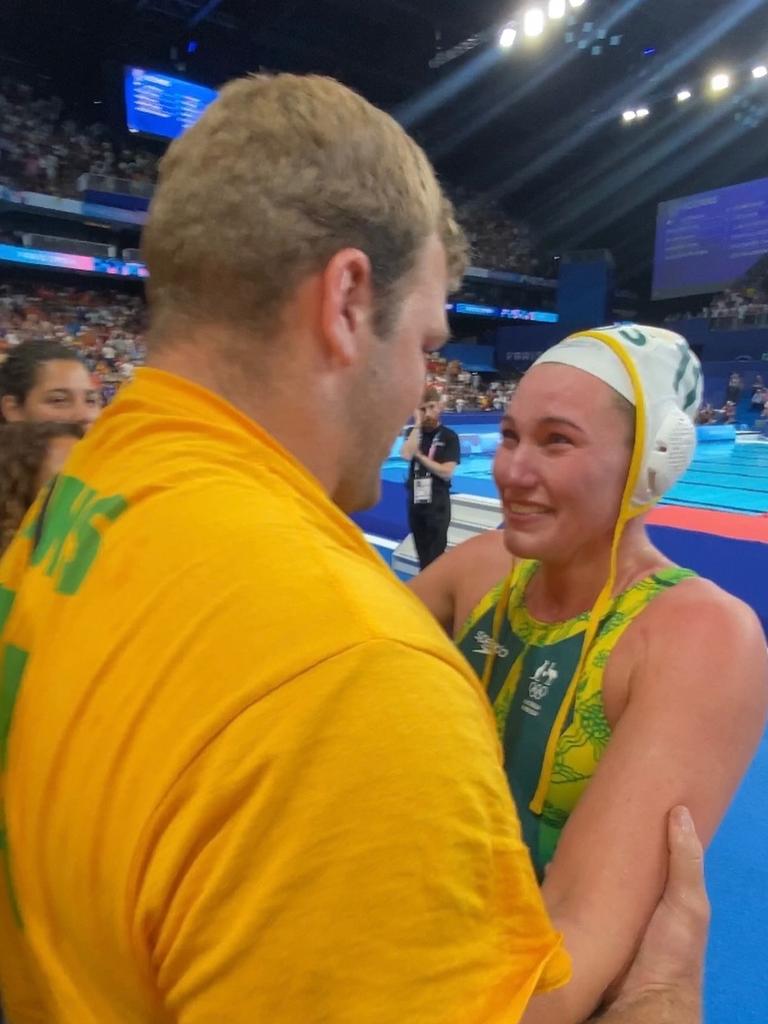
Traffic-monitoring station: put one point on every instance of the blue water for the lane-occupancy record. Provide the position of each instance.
(724, 476)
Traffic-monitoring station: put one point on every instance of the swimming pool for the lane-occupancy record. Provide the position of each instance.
(725, 476)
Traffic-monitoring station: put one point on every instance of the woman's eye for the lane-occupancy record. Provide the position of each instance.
(558, 439)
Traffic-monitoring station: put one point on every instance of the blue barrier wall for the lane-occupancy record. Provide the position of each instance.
(478, 357)
(752, 342)
(388, 518)
(468, 422)
(516, 340)
(583, 292)
(738, 566)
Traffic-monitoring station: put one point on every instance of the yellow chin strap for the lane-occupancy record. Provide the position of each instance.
(601, 606)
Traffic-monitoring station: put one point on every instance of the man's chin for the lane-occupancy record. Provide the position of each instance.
(369, 500)
(357, 500)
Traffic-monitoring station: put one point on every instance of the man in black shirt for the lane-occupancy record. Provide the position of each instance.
(434, 453)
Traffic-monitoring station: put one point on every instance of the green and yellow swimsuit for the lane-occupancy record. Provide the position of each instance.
(532, 667)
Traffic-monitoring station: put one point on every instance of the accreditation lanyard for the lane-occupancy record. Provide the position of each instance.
(422, 485)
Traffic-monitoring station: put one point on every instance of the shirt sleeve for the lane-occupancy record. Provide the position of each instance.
(451, 450)
(347, 850)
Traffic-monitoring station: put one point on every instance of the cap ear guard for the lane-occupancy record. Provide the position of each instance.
(670, 454)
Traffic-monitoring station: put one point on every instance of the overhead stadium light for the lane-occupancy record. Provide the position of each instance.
(578, 3)
(628, 115)
(720, 81)
(533, 22)
(642, 112)
(556, 9)
(760, 71)
(683, 95)
(507, 37)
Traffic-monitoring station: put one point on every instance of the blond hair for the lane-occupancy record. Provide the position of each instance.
(280, 173)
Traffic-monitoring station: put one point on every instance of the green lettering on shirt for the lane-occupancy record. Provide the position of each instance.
(7, 598)
(68, 545)
(14, 663)
(5, 867)
(70, 539)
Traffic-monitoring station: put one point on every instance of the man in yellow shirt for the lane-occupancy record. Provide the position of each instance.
(246, 778)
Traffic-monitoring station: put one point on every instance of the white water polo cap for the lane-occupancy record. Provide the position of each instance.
(662, 366)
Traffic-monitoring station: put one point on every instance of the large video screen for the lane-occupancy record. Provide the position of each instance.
(70, 261)
(711, 241)
(158, 104)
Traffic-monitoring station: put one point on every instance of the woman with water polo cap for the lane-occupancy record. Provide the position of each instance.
(621, 683)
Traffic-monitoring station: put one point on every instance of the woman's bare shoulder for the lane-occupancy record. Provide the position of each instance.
(453, 584)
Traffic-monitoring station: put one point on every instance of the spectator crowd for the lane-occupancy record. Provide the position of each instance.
(729, 311)
(498, 241)
(745, 305)
(735, 309)
(42, 149)
(463, 391)
(105, 328)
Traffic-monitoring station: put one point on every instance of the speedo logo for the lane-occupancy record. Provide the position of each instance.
(487, 645)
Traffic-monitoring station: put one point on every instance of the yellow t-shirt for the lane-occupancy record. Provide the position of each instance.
(248, 780)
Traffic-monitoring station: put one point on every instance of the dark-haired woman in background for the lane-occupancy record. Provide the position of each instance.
(30, 455)
(43, 381)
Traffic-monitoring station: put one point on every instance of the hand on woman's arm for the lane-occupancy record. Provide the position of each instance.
(664, 983)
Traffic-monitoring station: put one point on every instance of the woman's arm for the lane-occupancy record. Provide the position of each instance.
(664, 984)
(696, 712)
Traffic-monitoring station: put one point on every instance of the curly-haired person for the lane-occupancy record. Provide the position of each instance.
(30, 454)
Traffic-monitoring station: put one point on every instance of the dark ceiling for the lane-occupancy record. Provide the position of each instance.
(538, 126)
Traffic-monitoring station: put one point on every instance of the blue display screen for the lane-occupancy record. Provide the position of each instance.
(501, 312)
(70, 261)
(709, 241)
(159, 104)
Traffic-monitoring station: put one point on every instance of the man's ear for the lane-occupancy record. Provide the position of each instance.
(347, 304)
